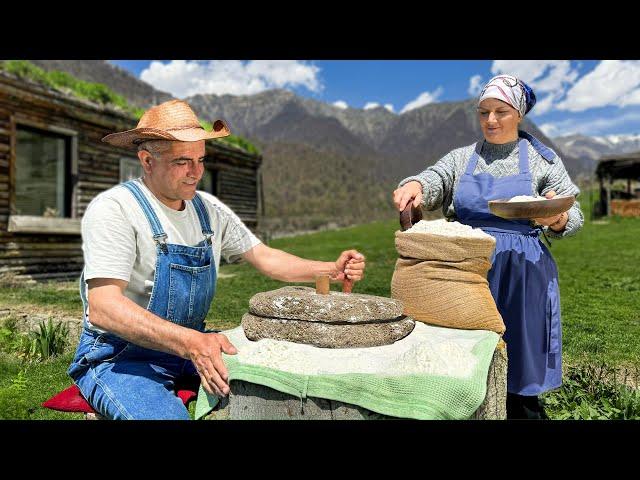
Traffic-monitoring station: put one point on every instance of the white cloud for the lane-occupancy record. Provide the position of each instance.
(387, 106)
(597, 126)
(549, 77)
(183, 78)
(549, 129)
(340, 104)
(612, 82)
(544, 105)
(423, 99)
(475, 85)
(541, 75)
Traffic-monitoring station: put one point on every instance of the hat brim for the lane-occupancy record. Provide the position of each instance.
(132, 138)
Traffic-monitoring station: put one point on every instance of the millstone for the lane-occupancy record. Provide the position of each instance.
(327, 335)
(303, 303)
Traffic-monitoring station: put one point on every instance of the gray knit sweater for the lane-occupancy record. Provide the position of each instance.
(440, 181)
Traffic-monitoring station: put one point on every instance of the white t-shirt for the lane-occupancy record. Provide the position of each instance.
(117, 240)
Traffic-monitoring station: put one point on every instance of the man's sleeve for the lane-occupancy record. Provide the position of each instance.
(108, 241)
(237, 238)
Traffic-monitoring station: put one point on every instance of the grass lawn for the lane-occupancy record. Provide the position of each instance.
(599, 283)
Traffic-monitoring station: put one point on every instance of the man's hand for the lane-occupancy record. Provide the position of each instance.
(205, 353)
(555, 222)
(350, 264)
(409, 191)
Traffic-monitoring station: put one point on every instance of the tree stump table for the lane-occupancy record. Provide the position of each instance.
(249, 401)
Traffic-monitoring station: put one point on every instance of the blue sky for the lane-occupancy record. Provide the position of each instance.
(590, 97)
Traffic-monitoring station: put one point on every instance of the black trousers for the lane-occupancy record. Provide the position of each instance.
(525, 407)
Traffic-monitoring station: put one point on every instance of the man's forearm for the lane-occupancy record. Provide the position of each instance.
(288, 268)
(133, 323)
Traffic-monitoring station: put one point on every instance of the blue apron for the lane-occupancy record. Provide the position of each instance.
(523, 278)
(183, 289)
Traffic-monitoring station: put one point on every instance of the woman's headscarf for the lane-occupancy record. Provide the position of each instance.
(511, 90)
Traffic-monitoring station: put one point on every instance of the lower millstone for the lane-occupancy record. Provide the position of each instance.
(327, 335)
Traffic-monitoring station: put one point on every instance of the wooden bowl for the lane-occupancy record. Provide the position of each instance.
(531, 209)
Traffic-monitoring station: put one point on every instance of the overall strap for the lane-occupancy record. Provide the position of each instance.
(159, 236)
(203, 216)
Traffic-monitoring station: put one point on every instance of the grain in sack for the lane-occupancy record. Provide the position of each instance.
(441, 276)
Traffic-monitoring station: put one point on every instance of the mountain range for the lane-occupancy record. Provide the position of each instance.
(324, 164)
(589, 149)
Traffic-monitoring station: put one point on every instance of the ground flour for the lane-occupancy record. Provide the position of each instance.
(525, 198)
(426, 350)
(446, 228)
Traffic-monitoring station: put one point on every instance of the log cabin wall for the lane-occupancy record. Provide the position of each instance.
(39, 247)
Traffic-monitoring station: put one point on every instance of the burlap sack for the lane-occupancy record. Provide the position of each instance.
(442, 280)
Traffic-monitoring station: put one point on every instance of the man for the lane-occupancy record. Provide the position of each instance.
(152, 247)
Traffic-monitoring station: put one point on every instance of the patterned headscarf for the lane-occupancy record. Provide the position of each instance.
(511, 90)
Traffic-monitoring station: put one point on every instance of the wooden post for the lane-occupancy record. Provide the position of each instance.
(609, 187)
(322, 284)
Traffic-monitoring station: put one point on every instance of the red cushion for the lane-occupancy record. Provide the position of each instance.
(71, 400)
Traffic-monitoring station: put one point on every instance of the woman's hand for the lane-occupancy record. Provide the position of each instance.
(556, 222)
(408, 192)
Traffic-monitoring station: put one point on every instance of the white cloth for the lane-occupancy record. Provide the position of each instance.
(427, 350)
(508, 89)
(118, 241)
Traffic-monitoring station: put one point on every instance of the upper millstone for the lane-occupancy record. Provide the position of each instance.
(303, 303)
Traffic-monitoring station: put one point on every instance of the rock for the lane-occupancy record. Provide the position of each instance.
(327, 335)
(303, 303)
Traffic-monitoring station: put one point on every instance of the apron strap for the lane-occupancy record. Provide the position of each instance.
(159, 236)
(473, 161)
(523, 156)
(544, 151)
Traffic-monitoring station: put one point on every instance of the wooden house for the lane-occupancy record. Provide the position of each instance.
(53, 163)
(624, 202)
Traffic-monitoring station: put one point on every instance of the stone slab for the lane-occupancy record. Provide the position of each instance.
(303, 303)
(327, 335)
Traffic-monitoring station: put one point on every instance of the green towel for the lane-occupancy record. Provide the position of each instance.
(445, 390)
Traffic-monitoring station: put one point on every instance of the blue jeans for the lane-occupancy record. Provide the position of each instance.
(123, 381)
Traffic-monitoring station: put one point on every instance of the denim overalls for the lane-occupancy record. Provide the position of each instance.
(523, 278)
(122, 380)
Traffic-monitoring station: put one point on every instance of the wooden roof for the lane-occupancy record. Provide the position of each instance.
(108, 116)
(625, 166)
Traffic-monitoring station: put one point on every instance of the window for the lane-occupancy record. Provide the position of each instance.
(209, 181)
(130, 168)
(43, 173)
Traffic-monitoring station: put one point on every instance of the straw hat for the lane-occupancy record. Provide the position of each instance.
(172, 120)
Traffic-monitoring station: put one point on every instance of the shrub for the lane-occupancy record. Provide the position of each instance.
(594, 392)
(13, 402)
(50, 340)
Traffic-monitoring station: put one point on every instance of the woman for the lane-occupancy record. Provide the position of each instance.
(523, 278)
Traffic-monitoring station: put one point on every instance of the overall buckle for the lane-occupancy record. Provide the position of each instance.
(161, 241)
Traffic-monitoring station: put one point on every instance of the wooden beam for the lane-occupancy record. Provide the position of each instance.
(35, 224)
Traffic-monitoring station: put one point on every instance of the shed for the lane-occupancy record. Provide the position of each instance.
(53, 163)
(623, 202)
